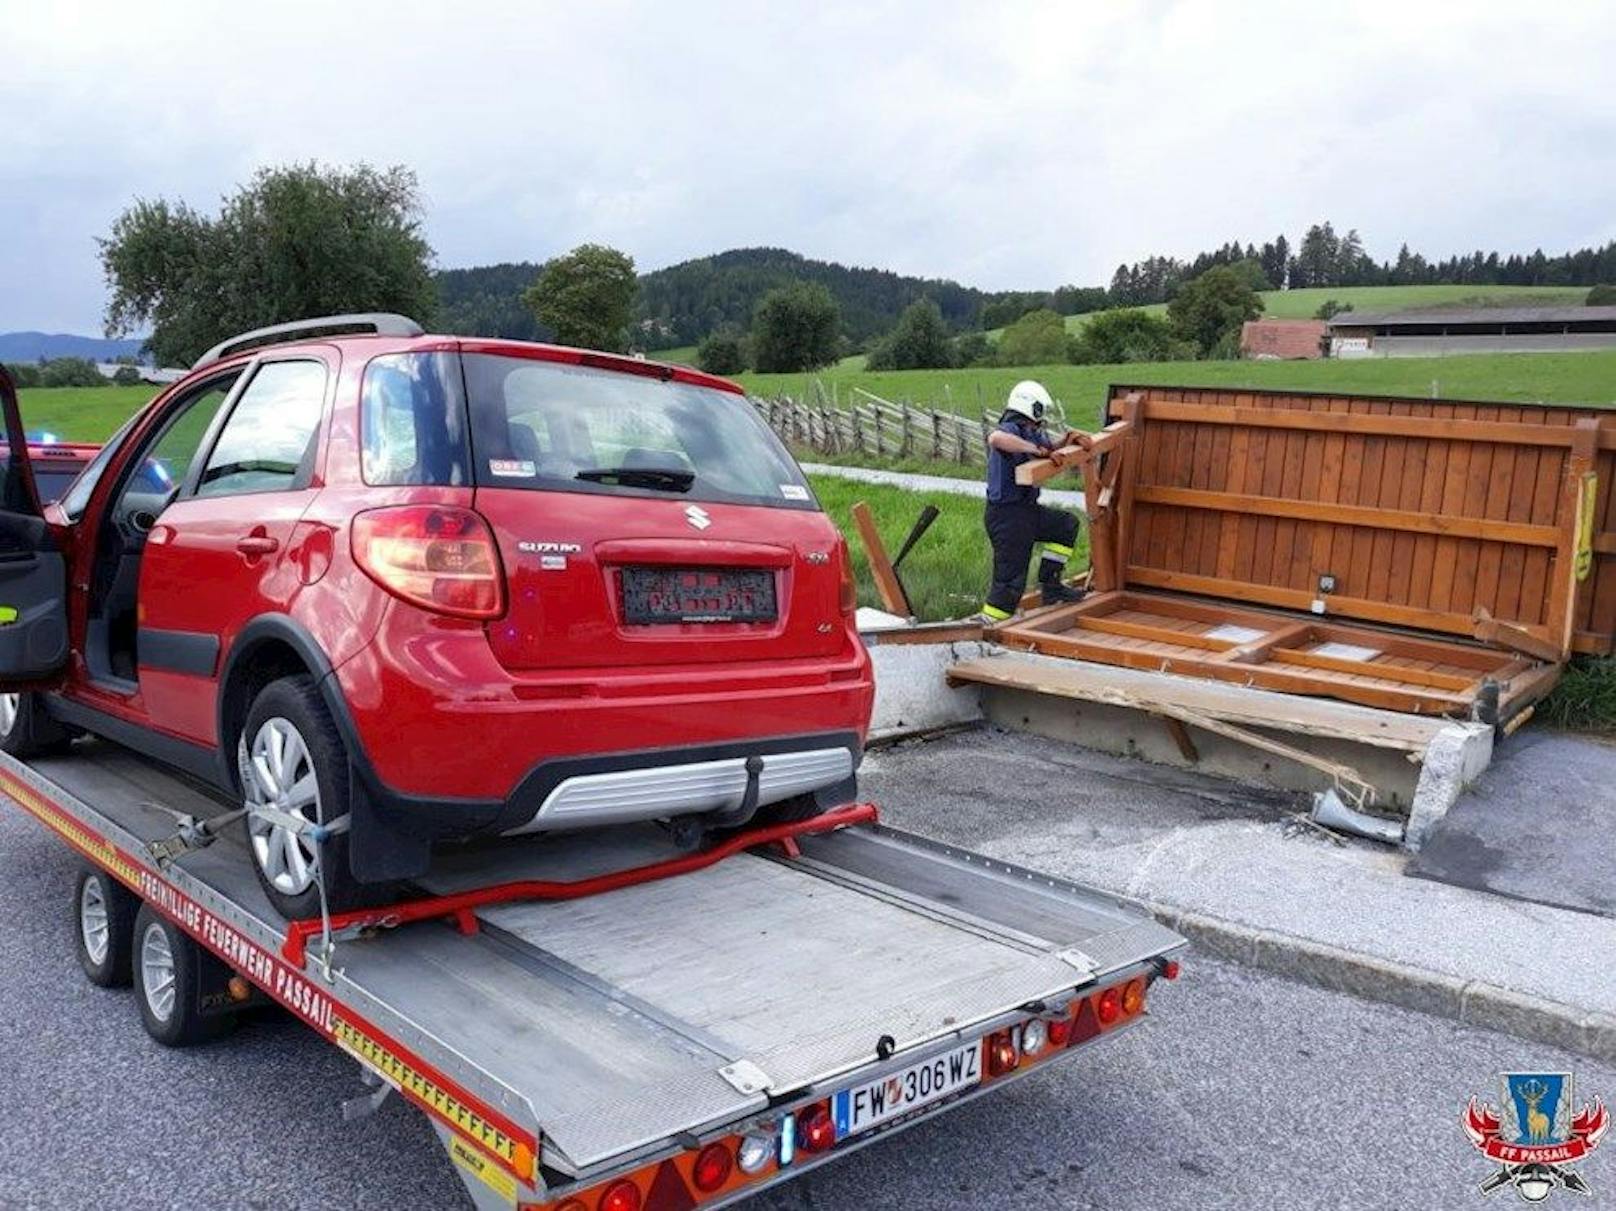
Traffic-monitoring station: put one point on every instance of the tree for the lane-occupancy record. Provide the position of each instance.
(919, 341)
(293, 243)
(722, 352)
(126, 376)
(24, 374)
(1317, 260)
(1331, 308)
(795, 328)
(70, 372)
(973, 349)
(586, 297)
(1036, 339)
(1601, 296)
(1128, 334)
(1211, 307)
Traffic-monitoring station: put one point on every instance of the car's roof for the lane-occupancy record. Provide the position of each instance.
(374, 346)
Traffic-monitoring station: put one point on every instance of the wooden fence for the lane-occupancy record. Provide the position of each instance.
(868, 424)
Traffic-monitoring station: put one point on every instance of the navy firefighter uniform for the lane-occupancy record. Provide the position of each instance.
(1015, 521)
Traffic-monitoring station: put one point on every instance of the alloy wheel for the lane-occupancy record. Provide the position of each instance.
(277, 771)
(157, 977)
(94, 926)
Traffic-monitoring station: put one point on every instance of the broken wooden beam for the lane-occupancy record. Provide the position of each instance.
(887, 585)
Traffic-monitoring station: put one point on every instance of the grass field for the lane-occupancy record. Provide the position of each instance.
(80, 414)
(947, 572)
(1583, 378)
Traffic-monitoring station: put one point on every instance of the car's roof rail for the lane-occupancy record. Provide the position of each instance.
(374, 323)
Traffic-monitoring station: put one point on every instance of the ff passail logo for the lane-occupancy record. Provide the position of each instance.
(1536, 1134)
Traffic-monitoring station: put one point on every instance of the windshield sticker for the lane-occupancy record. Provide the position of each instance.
(522, 468)
(794, 491)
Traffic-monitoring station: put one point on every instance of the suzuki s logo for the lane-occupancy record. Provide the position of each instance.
(697, 516)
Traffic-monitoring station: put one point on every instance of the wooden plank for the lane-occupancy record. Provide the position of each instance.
(1357, 607)
(1370, 424)
(887, 585)
(1139, 630)
(1414, 701)
(1181, 737)
(1258, 650)
(1235, 704)
(1353, 515)
(1366, 668)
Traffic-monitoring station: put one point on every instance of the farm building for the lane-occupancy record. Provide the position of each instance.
(1471, 330)
(1288, 340)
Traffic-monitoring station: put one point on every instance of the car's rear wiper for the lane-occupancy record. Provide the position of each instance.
(663, 479)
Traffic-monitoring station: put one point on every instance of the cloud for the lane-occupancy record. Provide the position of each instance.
(1010, 145)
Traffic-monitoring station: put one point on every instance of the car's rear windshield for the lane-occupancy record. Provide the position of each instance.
(557, 427)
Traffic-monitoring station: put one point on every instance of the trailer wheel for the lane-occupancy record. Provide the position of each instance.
(104, 928)
(168, 984)
(26, 730)
(291, 757)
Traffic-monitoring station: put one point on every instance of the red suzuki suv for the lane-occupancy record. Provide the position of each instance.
(413, 588)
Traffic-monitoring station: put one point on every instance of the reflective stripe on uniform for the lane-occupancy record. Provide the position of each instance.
(1058, 550)
(995, 613)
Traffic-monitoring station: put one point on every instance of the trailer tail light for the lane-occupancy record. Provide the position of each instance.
(438, 557)
(1034, 1037)
(816, 1132)
(1133, 997)
(713, 1167)
(1169, 969)
(572, 1204)
(755, 1153)
(1060, 1032)
(1001, 1053)
(1108, 1007)
(621, 1196)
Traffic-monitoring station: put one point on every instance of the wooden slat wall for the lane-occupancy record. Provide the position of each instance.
(1421, 571)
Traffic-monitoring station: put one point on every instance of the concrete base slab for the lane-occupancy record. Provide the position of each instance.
(1419, 766)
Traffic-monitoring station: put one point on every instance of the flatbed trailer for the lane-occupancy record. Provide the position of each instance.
(674, 1042)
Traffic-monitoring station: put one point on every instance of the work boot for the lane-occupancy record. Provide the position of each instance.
(1056, 593)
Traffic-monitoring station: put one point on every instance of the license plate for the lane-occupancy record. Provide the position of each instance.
(652, 595)
(864, 1106)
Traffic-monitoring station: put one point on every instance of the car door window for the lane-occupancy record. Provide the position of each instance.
(268, 440)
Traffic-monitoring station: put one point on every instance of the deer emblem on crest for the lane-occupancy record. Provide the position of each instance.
(1537, 1123)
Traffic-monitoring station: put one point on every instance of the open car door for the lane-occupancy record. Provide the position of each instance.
(33, 571)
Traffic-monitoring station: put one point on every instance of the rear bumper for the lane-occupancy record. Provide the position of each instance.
(453, 744)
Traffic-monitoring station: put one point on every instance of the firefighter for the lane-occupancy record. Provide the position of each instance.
(1015, 521)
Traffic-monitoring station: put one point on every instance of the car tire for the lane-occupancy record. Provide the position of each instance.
(290, 713)
(104, 928)
(26, 730)
(168, 976)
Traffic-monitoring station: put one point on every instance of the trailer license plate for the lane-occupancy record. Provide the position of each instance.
(863, 1106)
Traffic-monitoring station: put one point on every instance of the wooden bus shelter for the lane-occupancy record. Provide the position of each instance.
(1429, 556)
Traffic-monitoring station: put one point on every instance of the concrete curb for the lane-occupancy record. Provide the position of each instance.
(1472, 1002)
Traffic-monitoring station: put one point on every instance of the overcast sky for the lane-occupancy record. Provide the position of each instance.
(1001, 144)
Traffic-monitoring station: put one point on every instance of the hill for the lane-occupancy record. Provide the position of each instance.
(679, 305)
(1302, 304)
(684, 302)
(43, 346)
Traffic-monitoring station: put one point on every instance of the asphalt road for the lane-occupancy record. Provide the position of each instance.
(1240, 1090)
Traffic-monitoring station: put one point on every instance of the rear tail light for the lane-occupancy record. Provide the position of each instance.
(713, 1167)
(621, 1196)
(1001, 1054)
(1109, 1007)
(1169, 969)
(815, 1130)
(438, 557)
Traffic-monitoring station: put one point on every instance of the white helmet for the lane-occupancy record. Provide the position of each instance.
(1031, 400)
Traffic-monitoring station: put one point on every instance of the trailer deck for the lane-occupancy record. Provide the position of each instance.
(563, 1046)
